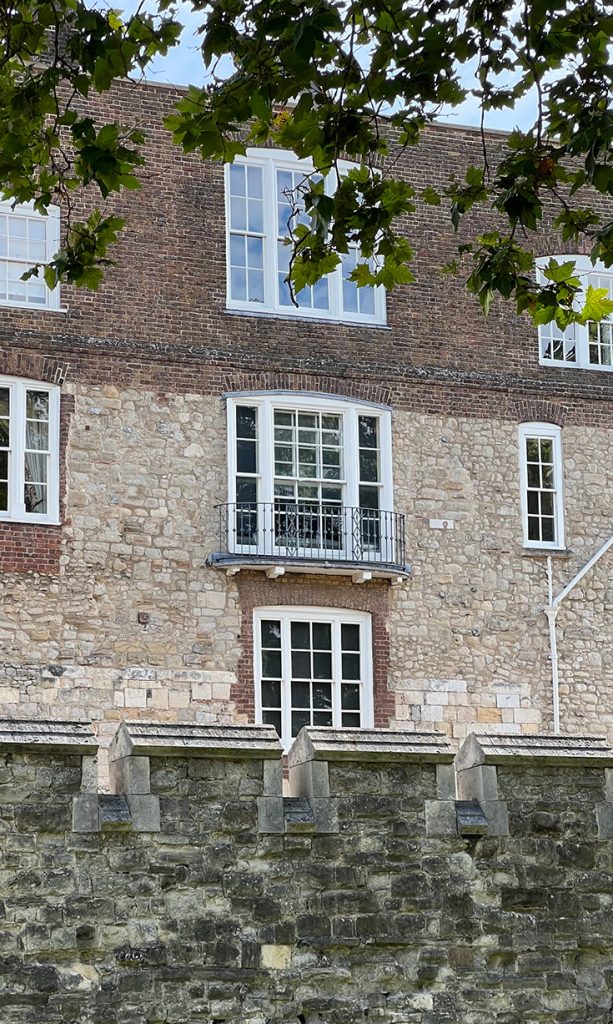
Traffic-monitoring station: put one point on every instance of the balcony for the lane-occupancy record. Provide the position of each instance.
(279, 537)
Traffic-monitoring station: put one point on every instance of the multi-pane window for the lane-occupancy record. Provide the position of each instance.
(28, 451)
(309, 475)
(590, 345)
(26, 238)
(541, 484)
(264, 203)
(313, 667)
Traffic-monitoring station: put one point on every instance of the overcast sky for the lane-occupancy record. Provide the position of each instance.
(183, 66)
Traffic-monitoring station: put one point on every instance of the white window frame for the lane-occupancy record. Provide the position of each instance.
(585, 270)
(270, 161)
(17, 387)
(336, 617)
(551, 432)
(348, 409)
(52, 239)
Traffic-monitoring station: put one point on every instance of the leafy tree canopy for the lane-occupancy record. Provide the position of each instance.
(332, 80)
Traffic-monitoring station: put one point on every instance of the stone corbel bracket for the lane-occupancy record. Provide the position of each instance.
(314, 749)
(136, 742)
(68, 737)
(481, 756)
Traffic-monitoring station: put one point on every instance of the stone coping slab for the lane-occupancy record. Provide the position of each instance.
(376, 745)
(498, 748)
(76, 737)
(168, 739)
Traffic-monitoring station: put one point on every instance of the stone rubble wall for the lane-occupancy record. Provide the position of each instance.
(388, 918)
(468, 638)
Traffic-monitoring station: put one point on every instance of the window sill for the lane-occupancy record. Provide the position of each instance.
(560, 365)
(262, 314)
(34, 309)
(13, 521)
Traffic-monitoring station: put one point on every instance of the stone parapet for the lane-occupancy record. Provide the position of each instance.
(493, 769)
(314, 750)
(34, 734)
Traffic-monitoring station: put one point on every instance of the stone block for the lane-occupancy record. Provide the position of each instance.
(130, 775)
(604, 816)
(326, 815)
(202, 691)
(441, 818)
(85, 813)
(145, 812)
(445, 782)
(507, 700)
(497, 817)
(270, 815)
(276, 958)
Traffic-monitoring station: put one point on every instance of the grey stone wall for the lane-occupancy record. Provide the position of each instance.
(385, 918)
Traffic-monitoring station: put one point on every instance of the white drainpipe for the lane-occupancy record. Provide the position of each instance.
(551, 611)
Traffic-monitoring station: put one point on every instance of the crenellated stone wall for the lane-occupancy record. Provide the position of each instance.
(197, 894)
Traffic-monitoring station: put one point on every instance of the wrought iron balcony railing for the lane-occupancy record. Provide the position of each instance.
(312, 532)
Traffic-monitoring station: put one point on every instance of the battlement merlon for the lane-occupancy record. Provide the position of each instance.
(72, 736)
(483, 754)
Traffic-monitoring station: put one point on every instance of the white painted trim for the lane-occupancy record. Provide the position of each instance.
(52, 239)
(336, 617)
(584, 269)
(270, 160)
(17, 424)
(350, 410)
(554, 433)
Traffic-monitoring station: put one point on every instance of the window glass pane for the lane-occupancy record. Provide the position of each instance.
(350, 637)
(322, 718)
(4, 432)
(3, 492)
(271, 633)
(246, 461)
(271, 693)
(301, 635)
(246, 490)
(369, 465)
(548, 529)
(350, 697)
(246, 419)
(272, 718)
(368, 427)
(271, 664)
(301, 695)
(238, 254)
(4, 401)
(37, 435)
(350, 720)
(322, 636)
(301, 665)
(237, 180)
(351, 666)
(322, 695)
(534, 475)
(255, 285)
(238, 214)
(299, 720)
(238, 283)
(322, 665)
(254, 181)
